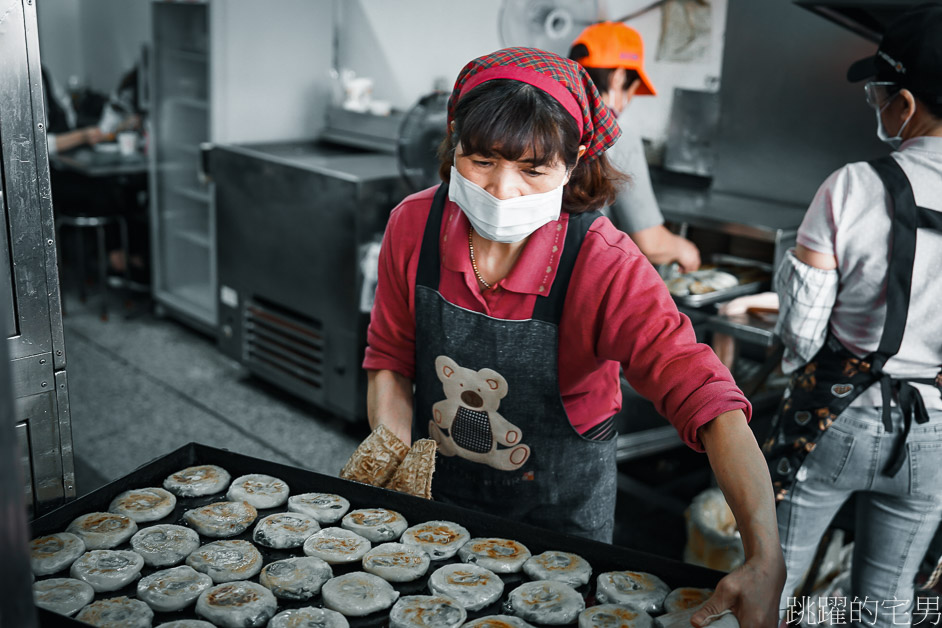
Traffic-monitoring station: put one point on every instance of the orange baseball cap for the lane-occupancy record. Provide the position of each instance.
(615, 45)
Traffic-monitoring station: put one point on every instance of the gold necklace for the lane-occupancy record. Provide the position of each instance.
(474, 264)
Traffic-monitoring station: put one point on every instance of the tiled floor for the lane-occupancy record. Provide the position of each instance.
(142, 387)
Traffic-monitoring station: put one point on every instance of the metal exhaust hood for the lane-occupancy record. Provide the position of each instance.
(867, 18)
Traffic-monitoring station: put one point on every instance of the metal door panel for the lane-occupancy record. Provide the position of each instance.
(22, 441)
(65, 433)
(46, 465)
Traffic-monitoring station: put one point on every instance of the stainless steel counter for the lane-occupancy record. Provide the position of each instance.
(760, 219)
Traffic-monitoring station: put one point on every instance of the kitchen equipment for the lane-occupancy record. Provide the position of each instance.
(601, 556)
(546, 24)
(420, 134)
(34, 336)
(753, 276)
(297, 224)
(691, 132)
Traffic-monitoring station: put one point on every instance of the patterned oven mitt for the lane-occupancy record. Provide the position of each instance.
(383, 460)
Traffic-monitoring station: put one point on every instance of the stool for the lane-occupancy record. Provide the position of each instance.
(98, 223)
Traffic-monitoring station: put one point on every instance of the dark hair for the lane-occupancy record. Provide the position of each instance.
(509, 119)
(601, 76)
(932, 102)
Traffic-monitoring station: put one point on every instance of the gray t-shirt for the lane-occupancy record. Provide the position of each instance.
(636, 208)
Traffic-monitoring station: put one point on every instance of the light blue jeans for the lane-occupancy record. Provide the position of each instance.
(895, 517)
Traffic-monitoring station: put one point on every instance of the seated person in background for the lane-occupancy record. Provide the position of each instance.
(613, 56)
(121, 112)
(62, 132)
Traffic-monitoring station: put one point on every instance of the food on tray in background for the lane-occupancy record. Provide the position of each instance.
(426, 611)
(498, 555)
(144, 504)
(102, 530)
(221, 519)
(396, 562)
(375, 524)
(164, 545)
(472, 586)
(186, 623)
(637, 589)
(701, 282)
(237, 605)
(259, 490)
(414, 474)
(172, 589)
(65, 596)
(685, 597)
(225, 561)
(299, 578)
(325, 507)
(497, 621)
(336, 546)
(54, 552)
(614, 616)
(376, 458)
(308, 616)
(204, 479)
(545, 602)
(284, 530)
(117, 611)
(440, 539)
(565, 567)
(108, 570)
(357, 594)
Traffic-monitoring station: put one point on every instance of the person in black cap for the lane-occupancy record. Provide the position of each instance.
(859, 318)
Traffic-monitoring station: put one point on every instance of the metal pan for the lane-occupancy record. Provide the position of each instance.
(601, 556)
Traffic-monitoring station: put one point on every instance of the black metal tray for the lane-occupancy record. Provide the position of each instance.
(601, 556)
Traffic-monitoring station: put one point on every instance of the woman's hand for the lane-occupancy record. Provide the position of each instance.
(389, 402)
(747, 591)
(753, 590)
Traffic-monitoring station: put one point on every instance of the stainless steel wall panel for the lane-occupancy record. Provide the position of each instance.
(35, 346)
(45, 448)
(26, 472)
(32, 374)
(788, 116)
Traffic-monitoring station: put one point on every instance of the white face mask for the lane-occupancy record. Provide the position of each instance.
(897, 139)
(508, 220)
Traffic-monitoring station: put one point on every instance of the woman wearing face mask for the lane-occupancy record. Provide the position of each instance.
(509, 304)
(860, 320)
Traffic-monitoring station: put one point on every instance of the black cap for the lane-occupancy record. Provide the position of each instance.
(910, 53)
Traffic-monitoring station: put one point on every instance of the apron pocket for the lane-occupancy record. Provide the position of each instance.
(925, 460)
(829, 457)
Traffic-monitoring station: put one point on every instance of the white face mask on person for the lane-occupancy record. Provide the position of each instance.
(897, 139)
(504, 220)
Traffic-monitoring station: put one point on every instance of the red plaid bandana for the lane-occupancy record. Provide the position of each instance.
(561, 78)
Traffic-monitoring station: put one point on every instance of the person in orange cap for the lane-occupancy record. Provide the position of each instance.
(613, 55)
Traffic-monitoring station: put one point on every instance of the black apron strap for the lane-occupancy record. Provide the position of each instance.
(550, 307)
(429, 271)
(906, 219)
(899, 277)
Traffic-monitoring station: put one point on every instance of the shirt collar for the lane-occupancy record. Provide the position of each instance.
(928, 143)
(536, 267)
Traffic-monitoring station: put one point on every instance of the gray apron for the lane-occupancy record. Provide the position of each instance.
(487, 390)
